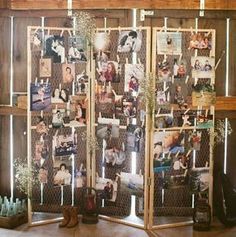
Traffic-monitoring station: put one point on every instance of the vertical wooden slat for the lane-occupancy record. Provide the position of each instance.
(5, 60)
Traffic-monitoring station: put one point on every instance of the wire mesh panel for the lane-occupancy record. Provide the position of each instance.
(120, 122)
(181, 165)
(58, 124)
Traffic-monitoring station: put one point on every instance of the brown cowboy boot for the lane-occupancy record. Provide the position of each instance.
(66, 215)
(73, 217)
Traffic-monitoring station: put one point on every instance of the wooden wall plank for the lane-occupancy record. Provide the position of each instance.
(5, 60)
(20, 51)
(3, 3)
(4, 155)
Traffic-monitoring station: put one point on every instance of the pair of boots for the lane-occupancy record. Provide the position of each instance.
(70, 215)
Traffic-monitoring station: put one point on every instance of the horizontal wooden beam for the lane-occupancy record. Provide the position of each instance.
(124, 4)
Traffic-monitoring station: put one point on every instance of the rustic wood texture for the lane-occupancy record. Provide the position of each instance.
(3, 3)
(4, 155)
(5, 60)
(20, 52)
(115, 4)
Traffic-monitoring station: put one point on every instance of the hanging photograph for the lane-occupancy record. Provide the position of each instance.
(57, 118)
(104, 94)
(203, 67)
(178, 94)
(133, 74)
(62, 171)
(168, 142)
(81, 84)
(108, 71)
(162, 163)
(41, 152)
(200, 40)
(114, 156)
(78, 109)
(205, 121)
(81, 177)
(36, 40)
(164, 120)
(129, 41)
(195, 140)
(102, 46)
(131, 183)
(164, 71)
(129, 106)
(40, 96)
(135, 138)
(55, 48)
(68, 73)
(45, 67)
(77, 49)
(59, 96)
(43, 175)
(64, 145)
(107, 188)
(199, 179)
(163, 97)
(179, 68)
(41, 126)
(169, 43)
(108, 128)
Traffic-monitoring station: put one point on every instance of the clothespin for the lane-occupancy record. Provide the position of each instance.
(69, 32)
(41, 81)
(177, 154)
(61, 34)
(118, 58)
(36, 81)
(41, 113)
(180, 57)
(47, 81)
(100, 115)
(60, 87)
(186, 111)
(188, 153)
(186, 80)
(126, 60)
(139, 61)
(140, 172)
(119, 29)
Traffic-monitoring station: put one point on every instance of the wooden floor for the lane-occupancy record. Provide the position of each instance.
(109, 229)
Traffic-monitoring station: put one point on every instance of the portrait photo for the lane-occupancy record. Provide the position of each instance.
(60, 96)
(133, 74)
(107, 188)
(62, 170)
(36, 40)
(108, 71)
(77, 49)
(114, 155)
(179, 68)
(81, 84)
(179, 94)
(40, 96)
(45, 67)
(205, 121)
(41, 152)
(164, 120)
(129, 41)
(194, 138)
(54, 46)
(162, 97)
(64, 145)
(43, 175)
(203, 67)
(58, 118)
(129, 106)
(169, 43)
(68, 73)
(42, 126)
(104, 94)
(200, 40)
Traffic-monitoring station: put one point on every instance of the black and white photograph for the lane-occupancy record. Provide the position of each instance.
(108, 128)
(40, 96)
(60, 96)
(107, 188)
(36, 40)
(200, 40)
(129, 41)
(64, 145)
(102, 46)
(131, 183)
(58, 117)
(169, 43)
(135, 138)
(68, 73)
(109, 71)
(133, 74)
(203, 67)
(45, 67)
(62, 172)
(81, 84)
(164, 71)
(55, 48)
(199, 179)
(77, 49)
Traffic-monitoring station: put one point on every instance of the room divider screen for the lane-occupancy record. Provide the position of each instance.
(90, 123)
